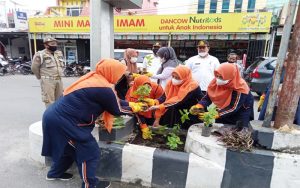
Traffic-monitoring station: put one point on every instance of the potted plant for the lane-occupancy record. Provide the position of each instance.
(143, 91)
(209, 119)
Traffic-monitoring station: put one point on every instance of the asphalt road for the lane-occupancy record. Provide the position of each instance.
(20, 106)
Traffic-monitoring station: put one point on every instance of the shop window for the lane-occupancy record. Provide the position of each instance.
(74, 11)
(201, 6)
(251, 5)
(238, 6)
(225, 6)
(213, 6)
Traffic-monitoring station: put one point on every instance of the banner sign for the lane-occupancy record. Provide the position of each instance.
(20, 19)
(21, 15)
(185, 23)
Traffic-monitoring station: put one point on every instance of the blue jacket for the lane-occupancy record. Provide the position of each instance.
(240, 109)
(71, 119)
(264, 106)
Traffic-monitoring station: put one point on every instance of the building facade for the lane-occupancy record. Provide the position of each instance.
(13, 29)
(157, 29)
(227, 6)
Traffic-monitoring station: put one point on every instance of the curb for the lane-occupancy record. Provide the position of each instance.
(274, 139)
(259, 168)
(153, 167)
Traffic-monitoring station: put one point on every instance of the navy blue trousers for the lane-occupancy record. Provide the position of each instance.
(87, 169)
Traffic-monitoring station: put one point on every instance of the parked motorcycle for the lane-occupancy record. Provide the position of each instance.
(4, 68)
(73, 69)
(25, 68)
(86, 66)
(80, 69)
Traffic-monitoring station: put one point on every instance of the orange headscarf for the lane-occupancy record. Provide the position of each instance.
(156, 91)
(221, 95)
(107, 73)
(176, 93)
(131, 67)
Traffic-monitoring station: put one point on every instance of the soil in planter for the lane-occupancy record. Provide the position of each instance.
(158, 141)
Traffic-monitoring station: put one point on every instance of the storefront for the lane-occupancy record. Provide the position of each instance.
(244, 32)
(14, 44)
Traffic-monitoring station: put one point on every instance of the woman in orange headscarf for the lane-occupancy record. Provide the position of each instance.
(181, 93)
(232, 96)
(68, 123)
(156, 95)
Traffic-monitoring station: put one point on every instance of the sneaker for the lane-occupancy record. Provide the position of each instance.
(64, 177)
(103, 184)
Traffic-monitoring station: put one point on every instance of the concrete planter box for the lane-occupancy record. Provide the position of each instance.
(259, 168)
(118, 133)
(153, 167)
(273, 139)
(207, 164)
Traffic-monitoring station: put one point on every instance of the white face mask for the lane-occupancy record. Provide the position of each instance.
(221, 82)
(176, 82)
(133, 59)
(202, 54)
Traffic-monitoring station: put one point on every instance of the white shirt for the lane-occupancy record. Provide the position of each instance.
(203, 69)
(164, 77)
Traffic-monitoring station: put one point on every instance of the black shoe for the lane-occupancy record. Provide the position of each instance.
(103, 184)
(64, 177)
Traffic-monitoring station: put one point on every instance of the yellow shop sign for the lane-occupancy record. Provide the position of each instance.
(194, 23)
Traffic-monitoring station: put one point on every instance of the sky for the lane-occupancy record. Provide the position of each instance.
(174, 6)
(31, 4)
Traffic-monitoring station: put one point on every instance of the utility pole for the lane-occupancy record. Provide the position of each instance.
(280, 60)
(274, 22)
(290, 93)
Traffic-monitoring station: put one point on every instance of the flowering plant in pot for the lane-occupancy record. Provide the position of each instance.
(209, 119)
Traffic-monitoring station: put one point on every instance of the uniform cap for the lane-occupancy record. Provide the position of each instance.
(156, 44)
(203, 43)
(49, 39)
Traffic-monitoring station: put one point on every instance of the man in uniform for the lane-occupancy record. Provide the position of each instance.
(203, 65)
(151, 62)
(47, 66)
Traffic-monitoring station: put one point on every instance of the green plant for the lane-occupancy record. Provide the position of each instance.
(149, 59)
(173, 141)
(161, 130)
(119, 142)
(118, 122)
(176, 129)
(184, 115)
(209, 117)
(143, 91)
